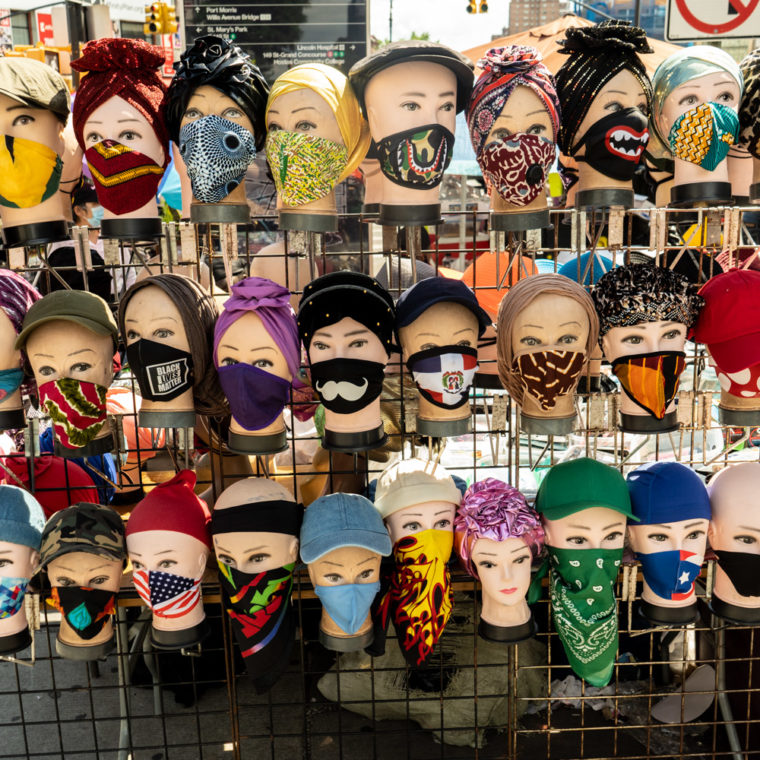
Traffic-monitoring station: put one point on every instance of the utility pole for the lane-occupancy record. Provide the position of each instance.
(390, 22)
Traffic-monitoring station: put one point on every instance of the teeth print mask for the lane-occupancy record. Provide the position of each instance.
(417, 157)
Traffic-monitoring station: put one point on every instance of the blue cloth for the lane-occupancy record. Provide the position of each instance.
(667, 492)
(21, 517)
(670, 574)
(348, 605)
(583, 265)
(170, 188)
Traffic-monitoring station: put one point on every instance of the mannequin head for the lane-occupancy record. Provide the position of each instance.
(671, 503)
(513, 118)
(749, 112)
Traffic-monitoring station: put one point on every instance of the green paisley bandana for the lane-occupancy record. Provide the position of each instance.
(305, 167)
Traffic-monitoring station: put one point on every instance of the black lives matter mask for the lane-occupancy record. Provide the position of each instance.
(163, 372)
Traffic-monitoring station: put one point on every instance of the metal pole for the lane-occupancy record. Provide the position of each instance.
(390, 22)
(637, 13)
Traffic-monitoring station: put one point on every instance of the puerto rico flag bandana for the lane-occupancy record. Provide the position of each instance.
(169, 596)
(444, 374)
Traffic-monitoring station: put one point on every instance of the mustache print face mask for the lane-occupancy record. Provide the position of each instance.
(345, 386)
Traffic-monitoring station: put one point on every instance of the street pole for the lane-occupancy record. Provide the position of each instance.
(390, 22)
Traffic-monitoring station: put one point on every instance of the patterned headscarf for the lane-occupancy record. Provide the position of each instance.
(16, 298)
(636, 293)
(749, 110)
(334, 88)
(503, 70)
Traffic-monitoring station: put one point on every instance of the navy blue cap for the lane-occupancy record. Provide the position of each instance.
(667, 492)
(425, 293)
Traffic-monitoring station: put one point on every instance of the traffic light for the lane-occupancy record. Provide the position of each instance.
(169, 19)
(483, 6)
(153, 19)
(472, 6)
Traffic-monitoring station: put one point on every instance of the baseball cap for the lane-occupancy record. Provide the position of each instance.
(342, 519)
(492, 274)
(579, 484)
(21, 517)
(413, 481)
(588, 268)
(729, 323)
(78, 306)
(35, 84)
(666, 492)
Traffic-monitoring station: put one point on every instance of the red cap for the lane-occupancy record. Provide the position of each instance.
(172, 506)
(729, 323)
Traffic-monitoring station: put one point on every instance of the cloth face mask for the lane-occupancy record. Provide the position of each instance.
(345, 386)
(671, 574)
(30, 172)
(77, 409)
(256, 397)
(417, 157)
(305, 167)
(517, 166)
(10, 382)
(125, 179)
(744, 383)
(217, 153)
(12, 592)
(86, 610)
(704, 134)
(742, 569)
(651, 380)
(163, 372)
(168, 595)
(348, 605)
(444, 374)
(615, 144)
(547, 375)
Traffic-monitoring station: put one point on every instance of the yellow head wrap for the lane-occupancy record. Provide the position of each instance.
(335, 89)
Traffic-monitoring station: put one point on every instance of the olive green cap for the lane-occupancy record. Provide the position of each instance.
(35, 84)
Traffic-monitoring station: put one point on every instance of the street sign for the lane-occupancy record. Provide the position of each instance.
(688, 20)
(45, 28)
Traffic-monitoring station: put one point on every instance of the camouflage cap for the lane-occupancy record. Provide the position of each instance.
(89, 528)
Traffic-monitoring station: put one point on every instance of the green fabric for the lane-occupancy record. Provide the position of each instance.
(35, 84)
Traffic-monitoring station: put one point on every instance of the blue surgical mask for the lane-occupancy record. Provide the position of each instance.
(96, 218)
(10, 382)
(12, 592)
(671, 574)
(348, 605)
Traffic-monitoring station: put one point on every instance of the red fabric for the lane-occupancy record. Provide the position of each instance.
(172, 506)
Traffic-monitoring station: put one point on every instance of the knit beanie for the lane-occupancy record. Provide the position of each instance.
(749, 109)
(21, 517)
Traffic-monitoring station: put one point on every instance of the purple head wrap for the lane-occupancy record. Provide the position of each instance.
(493, 509)
(16, 296)
(271, 302)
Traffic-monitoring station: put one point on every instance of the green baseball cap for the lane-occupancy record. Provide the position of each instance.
(35, 84)
(580, 484)
(78, 306)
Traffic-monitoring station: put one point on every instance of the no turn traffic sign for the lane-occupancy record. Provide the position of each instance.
(706, 19)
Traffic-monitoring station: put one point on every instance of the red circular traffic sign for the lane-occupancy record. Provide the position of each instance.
(744, 9)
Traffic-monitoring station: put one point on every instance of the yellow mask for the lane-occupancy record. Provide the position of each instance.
(30, 172)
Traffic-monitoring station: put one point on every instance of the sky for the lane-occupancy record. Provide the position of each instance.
(445, 20)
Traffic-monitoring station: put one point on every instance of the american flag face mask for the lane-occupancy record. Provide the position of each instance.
(168, 595)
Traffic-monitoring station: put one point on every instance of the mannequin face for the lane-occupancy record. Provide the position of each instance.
(347, 339)
(118, 120)
(247, 340)
(86, 570)
(255, 552)
(348, 564)
(38, 124)
(550, 322)
(9, 357)
(594, 528)
(67, 349)
(735, 524)
(410, 95)
(208, 101)
(429, 515)
(524, 112)
(304, 111)
(503, 568)
(167, 551)
(17, 561)
(152, 315)
(686, 535)
(644, 338)
(443, 324)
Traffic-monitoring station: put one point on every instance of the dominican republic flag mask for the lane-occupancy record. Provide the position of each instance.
(444, 374)
(169, 596)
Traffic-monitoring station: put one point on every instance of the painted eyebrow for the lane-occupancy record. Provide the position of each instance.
(303, 108)
(746, 527)
(81, 351)
(235, 348)
(613, 525)
(327, 562)
(23, 108)
(245, 551)
(580, 527)
(442, 512)
(155, 319)
(530, 113)
(571, 322)
(693, 525)
(357, 332)
(364, 561)
(618, 92)
(90, 570)
(124, 121)
(538, 327)
(465, 329)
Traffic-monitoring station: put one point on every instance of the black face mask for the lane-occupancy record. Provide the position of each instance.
(742, 569)
(615, 144)
(417, 157)
(345, 386)
(86, 610)
(163, 372)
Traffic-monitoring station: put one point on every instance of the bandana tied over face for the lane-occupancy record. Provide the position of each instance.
(417, 157)
(12, 592)
(345, 386)
(742, 569)
(77, 409)
(651, 380)
(419, 599)
(125, 179)
(671, 574)
(168, 595)
(256, 397)
(704, 134)
(444, 374)
(217, 153)
(547, 375)
(163, 372)
(30, 172)
(305, 167)
(86, 610)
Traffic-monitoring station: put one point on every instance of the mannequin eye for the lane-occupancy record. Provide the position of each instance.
(258, 557)
(565, 339)
(80, 367)
(225, 559)
(614, 106)
(616, 534)
(274, 127)
(164, 564)
(725, 97)
(263, 363)
(659, 537)
(521, 560)
(129, 135)
(746, 539)
(231, 113)
(426, 346)
(137, 565)
(410, 105)
(228, 362)
(132, 335)
(577, 540)
(464, 343)
(46, 371)
(412, 526)
(358, 343)
(305, 126)
(366, 574)
(23, 120)
(441, 524)
(688, 100)
(93, 137)
(529, 340)
(447, 107)
(535, 129)
(319, 345)
(5, 562)
(501, 134)
(486, 564)
(193, 113)
(334, 578)
(694, 535)
(643, 108)
(672, 334)
(632, 340)
(163, 332)
(99, 581)
(64, 581)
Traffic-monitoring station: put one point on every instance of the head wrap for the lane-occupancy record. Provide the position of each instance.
(636, 293)
(16, 297)
(493, 509)
(595, 55)
(667, 492)
(126, 69)
(681, 67)
(503, 70)
(218, 63)
(749, 110)
(271, 302)
(519, 296)
(335, 90)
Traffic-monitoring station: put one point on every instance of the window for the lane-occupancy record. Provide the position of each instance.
(20, 29)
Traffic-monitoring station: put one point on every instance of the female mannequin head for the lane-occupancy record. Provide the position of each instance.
(749, 116)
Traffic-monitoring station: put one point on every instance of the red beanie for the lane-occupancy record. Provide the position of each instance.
(123, 67)
(172, 506)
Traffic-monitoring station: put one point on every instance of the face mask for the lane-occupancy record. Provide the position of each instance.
(742, 569)
(703, 134)
(163, 372)
(444, 374)
(651, 380)
(77, 409)
(305, 168)
(96, 218)
(12, 592)
(419, 599)
(417, 157)
(10, 382)
(547, 375)
(671, 574)
(745, 383)
(345, 386)
(615, 144)
(86, 610)
(256, 397)
(168, 595)
(125, 180)
(517, 167)
(217, 153)
(348, 605)
(30, 172)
